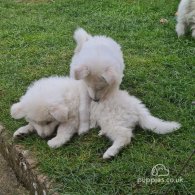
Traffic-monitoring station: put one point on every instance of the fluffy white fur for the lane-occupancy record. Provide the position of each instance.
(98, 61)
(118, 116)
(55, 101)
(50, 102)
(186, 17)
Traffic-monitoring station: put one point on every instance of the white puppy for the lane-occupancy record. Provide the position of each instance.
(186, 17)
(98, 61)
(47, 103)
(118, 116)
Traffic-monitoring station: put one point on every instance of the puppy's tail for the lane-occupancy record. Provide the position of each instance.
(149, 122)
(80, 36)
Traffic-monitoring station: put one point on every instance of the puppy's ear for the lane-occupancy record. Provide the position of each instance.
(81, 72)
(110, 76)
(59, 112)
(17, 111)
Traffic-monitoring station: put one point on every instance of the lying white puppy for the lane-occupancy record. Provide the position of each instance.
(186, 17)
(118, 116)
(98, 61)
(47, 103)
(52, 101)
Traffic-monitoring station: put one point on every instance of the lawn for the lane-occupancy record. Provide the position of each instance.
(36, 41)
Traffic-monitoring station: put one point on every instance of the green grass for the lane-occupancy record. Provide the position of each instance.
(36, 41)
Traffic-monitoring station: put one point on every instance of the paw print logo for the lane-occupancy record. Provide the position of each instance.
(159, 170)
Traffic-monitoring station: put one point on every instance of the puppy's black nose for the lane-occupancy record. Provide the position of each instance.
(96, 100)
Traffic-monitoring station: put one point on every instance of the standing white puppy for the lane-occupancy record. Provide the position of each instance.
(186, 17)
(98, 61)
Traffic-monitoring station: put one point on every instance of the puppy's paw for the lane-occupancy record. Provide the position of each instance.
(83, 129)
(21, 133)
(54, 143)
(18, 135)
(109, 154)
(180, 29)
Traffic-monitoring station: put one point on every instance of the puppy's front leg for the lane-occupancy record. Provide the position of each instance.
(23, 131)
(64, 133)
(180, 28)
(193, 30)
(84, 113)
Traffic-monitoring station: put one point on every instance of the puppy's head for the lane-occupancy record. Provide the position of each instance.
(100, 82)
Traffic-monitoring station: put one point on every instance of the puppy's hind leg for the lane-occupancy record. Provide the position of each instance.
(118, 144)
(23, 131)
(64, 134)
